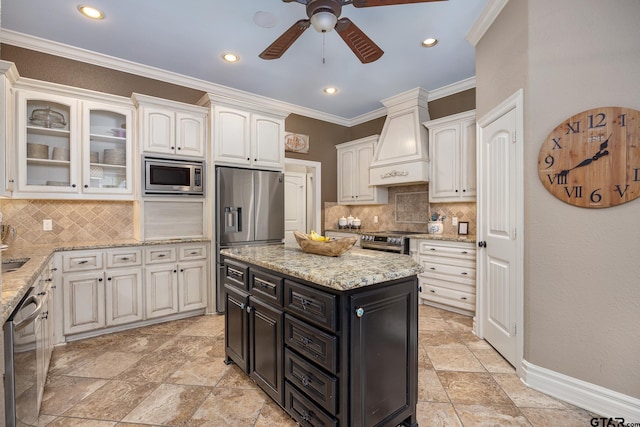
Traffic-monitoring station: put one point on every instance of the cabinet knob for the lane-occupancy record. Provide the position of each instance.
(109, 278)
(173, 148)
(359, 312)
(249, 309)
(181, 270)
(248, 158)
(464, 191)
(86, 186)
(99, 279)
(482, 244)
(175, 271)
(456, 191)
(73, 185)
(243, 306)
(179, 148)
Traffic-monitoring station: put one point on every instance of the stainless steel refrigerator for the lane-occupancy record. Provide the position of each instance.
(249, 210)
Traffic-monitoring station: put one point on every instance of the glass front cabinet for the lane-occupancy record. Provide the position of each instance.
(69, 148)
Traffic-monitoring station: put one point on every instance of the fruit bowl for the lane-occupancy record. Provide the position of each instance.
(329, 248)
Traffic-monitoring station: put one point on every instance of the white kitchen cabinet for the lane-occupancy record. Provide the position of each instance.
(452, 150)
(72, 147)
(175, 279)
(84, 302)
(247, 138)
(449, 276)
(171, 128)
(8, 76)
(354, 159)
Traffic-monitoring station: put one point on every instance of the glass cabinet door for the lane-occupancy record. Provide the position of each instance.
(106, 141)
(47, 153)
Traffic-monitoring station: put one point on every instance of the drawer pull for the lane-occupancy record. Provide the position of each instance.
(359, 312)
(193, 253)
(432, 249)
(235, 273)
(84, 261)
(263, 284)
(432, 291)
(305, 302)
(463, 298)
(304, 341)
(304, 380)
(464, 252)
(125, 258)
(432, 268)
(464, 273)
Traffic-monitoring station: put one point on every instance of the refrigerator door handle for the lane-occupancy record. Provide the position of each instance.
(233, 219)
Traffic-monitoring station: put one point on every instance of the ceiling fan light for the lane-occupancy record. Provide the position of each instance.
(324, 21)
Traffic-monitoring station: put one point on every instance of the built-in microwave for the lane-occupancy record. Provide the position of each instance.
(163, 176)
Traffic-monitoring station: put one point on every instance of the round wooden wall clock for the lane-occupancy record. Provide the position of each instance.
(592, 159)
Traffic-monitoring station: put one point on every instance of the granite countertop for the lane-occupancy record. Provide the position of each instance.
(16, 284)
(354, 269)
(445, 237)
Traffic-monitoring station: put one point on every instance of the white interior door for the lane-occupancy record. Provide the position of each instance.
(295, 204)
(499, 262)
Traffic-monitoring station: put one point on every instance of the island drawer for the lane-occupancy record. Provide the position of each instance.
(236, 274)
(320, 387)
(313, 305)
(266, 286)
(311, 342)
(305, 412)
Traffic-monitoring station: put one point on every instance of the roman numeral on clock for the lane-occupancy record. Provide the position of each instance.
(574, 192)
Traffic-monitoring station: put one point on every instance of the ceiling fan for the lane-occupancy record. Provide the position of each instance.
(324, 16)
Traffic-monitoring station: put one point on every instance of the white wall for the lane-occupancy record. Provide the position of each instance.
(582, 266)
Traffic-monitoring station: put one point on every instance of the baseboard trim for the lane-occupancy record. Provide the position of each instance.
(593, 398)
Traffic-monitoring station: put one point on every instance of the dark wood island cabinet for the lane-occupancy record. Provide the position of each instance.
(331, 340)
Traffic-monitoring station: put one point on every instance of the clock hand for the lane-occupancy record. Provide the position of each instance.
(603, 152)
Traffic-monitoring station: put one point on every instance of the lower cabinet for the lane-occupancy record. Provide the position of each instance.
(327, 357)
(122, 286)
(449, 277)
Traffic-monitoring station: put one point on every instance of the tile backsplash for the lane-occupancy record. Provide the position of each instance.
(408, 209)
(73, 221)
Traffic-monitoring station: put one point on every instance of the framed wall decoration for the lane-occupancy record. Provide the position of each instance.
(463, 228)
(296, 143)
(592, 159)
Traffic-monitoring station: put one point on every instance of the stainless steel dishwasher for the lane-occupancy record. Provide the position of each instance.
(22, 342)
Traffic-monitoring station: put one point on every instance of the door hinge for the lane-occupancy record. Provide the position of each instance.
(514, 234)
(514, 137)
(515, 329)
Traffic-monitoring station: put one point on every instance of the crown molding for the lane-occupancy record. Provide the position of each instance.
(452, 89)
(484, 21)
(212, 89)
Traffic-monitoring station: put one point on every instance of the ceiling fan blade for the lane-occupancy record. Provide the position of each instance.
(284, 42)
(372, 3)
(364, 48)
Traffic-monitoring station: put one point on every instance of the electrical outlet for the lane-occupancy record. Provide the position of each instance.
(454, 221)
(375, 219)
(47, 225)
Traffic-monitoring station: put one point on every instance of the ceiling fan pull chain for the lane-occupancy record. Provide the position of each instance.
(323, 40)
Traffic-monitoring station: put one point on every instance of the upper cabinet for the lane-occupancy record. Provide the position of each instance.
(452, 150)
(354, 159)
(172, 128)
(245, 135)
(8, 76)
(72, 147)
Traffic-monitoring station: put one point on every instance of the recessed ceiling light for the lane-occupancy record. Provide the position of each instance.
(330, 90)
(231, 57)
(91, 12)
(430, 42)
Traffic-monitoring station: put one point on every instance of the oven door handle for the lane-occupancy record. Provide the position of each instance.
(31, 299)
(391, 248)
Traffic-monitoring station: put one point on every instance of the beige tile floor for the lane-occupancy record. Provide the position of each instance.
(173, 374)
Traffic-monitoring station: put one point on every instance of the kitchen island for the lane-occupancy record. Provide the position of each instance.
(333, 340)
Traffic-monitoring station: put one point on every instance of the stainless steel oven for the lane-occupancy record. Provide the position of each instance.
(164, 176)
(388, 241)
(23, 341)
